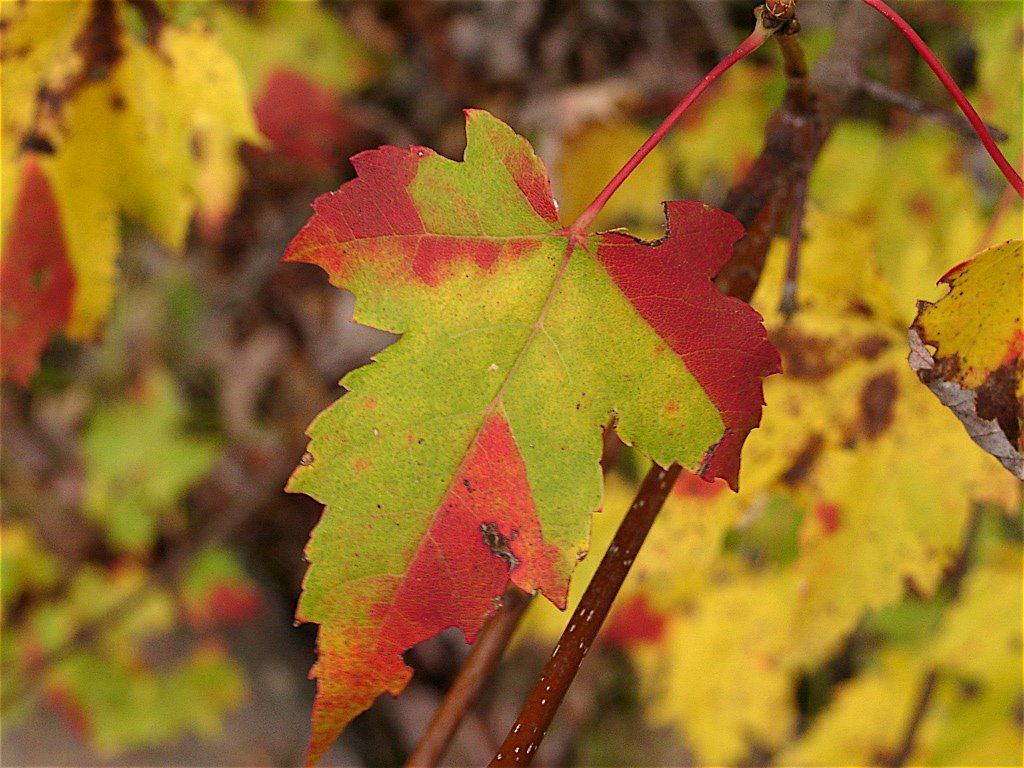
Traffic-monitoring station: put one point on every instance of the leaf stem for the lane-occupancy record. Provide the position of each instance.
(755, 40)
(950, 85)
(521, 743)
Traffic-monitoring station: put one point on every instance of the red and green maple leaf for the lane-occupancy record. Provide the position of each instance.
(467, 454)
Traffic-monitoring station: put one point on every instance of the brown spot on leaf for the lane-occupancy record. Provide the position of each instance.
(37, 143)
(498, 544)
(803, 356)
(877, 401)
(99, 43)
(858, 307)
(997, 401)
(804, 460)
(872, 346)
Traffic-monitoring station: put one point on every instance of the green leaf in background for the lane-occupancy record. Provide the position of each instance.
(140, 463)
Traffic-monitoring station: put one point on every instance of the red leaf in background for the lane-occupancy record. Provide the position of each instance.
(36, 281)
(303, 119)
(635, 622)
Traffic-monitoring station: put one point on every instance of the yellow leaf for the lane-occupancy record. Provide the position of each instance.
(146, 129)
(978, 365)
(34, 44)
(300, 36)
(969, 716)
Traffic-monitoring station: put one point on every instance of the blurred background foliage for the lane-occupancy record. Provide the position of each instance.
(149, 560)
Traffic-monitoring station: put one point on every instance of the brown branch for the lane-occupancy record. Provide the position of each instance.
(794, 137)
(787, 303)
(486, 653)
(549, 690)
(924, 698)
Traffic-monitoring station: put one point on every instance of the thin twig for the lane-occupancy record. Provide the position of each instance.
(924, 698)
(794, 137)
(952, 583)
(549, 690)
(788, 305)
(909, 103)
(487, 650)
(795, 67)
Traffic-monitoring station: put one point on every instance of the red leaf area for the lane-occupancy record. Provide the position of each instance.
(36, 281)
(830, 516)
(377, 204)
(686, 313)
(304, 120)
(694, 486)
(485, 530)
(633, 623)
(226, 603)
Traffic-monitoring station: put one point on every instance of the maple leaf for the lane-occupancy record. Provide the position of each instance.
(467, 455)
(978, 366)
(36, 281)
(147, 128)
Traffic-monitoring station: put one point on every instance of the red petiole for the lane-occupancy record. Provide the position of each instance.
(958, 96)
(754, 41)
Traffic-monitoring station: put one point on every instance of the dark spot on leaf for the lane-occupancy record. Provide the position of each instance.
(36, 143)
(803, 356)
(99, 43)
(922, 207)
(804, 460)
(968, 688)
(49, 97)
(871, 346)
(195, 147)
(997, 401)
(116, 102)
(40, 278)
(18, 53)
(470, 488)
(498, 544)
(877, 400)
(858, 307)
